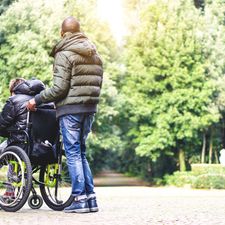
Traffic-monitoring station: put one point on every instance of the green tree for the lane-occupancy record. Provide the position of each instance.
(173, 98)
(31, 28)
(213, 51)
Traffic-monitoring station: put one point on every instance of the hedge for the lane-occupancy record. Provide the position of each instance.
(206, 176)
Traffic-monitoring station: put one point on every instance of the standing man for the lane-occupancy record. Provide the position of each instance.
(77, 81)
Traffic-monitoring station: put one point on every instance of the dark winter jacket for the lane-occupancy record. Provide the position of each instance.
(14, 114)
(77, 76)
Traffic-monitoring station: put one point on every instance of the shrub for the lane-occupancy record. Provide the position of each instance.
(198, 169)
(179, 179)
(205, 176)
(209, 181)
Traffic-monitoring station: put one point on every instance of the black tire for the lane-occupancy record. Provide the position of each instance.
(23, 178)
(48, 193)
(35, 201)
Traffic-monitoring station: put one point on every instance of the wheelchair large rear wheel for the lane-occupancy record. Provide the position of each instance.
(15, 178)
(56, 185)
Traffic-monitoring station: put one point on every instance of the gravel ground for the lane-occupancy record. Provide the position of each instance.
(134, 206)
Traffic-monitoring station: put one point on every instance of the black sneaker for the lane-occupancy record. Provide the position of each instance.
(92, 203)
(80, 206)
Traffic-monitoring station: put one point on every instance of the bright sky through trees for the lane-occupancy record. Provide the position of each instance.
(112, 12)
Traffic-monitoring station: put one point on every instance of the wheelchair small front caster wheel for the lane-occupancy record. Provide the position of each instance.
(35, 201)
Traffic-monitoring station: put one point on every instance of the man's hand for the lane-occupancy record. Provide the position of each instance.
(31, 105)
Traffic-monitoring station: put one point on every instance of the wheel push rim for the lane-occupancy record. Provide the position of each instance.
(6, 158)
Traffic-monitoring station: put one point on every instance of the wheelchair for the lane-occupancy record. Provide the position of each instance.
(42, 163)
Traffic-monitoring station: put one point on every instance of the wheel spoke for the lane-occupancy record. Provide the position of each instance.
(15, 178)
(56, 196)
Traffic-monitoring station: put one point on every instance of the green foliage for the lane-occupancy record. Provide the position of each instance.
(198, 169)
(174, 88)
(202, 181)
(179, 179)
(4, 4)
(160, 96)
(205, 176)
(209, 181)
(29, 30)
(28, 41)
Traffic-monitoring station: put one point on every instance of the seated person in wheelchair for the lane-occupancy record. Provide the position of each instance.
(13, 117)
(14, 114)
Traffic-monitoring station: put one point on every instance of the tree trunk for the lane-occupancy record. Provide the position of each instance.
(203, 148)
(216, 156)
(211, 146)
(182, 160)
(223, 132)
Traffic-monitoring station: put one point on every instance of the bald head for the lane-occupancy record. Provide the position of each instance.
(70, 24)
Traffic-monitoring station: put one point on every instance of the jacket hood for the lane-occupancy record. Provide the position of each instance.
(75, 42)
(29, 87)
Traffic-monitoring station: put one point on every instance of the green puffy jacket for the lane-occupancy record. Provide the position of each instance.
(77, 77)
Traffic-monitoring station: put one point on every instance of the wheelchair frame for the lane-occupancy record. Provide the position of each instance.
(51, 177)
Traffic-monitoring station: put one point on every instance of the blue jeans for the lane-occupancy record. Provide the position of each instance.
(75, 129)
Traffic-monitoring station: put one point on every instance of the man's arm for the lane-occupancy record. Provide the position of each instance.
(61, 83)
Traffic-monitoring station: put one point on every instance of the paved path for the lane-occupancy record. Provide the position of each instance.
(134, 206)
(111, 178)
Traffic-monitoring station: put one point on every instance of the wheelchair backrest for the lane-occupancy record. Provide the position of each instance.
(44, 125)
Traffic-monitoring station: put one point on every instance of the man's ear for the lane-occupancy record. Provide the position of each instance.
(62, 33)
